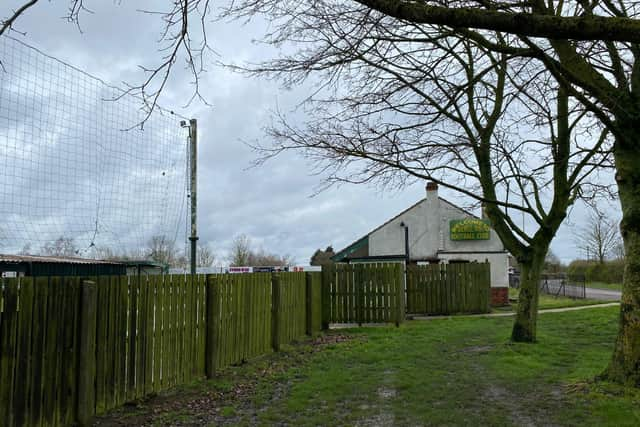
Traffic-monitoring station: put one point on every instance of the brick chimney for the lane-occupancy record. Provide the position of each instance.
(433, 236)
(432, 188)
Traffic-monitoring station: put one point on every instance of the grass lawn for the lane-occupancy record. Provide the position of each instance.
(608, 286)
(550, 301)
(457, 371)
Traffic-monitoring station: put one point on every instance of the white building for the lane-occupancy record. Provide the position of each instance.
(434, 231)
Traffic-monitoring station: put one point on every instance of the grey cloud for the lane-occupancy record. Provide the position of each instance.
(270, 204)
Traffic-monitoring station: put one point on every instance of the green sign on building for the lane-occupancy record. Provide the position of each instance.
(470, 229)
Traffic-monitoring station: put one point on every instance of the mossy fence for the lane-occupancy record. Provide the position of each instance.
(440, 289)
(72, 348)
(385, 292)
(364, 293)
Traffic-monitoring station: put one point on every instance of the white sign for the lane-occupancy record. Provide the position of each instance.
(240, 269)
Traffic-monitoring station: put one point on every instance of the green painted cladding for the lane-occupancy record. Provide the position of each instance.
(358, 249)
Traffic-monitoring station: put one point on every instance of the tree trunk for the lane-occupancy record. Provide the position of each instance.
(524, 327)
(625, 363)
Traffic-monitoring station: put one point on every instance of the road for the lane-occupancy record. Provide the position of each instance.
(603, 294)
(576, 291)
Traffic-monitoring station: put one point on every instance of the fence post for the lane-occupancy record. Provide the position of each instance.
(87, 353)
(212, 317)
(399, 293)
(275, 311)
(487, 287)
(328, 274)
(356, 276)
(309, 312)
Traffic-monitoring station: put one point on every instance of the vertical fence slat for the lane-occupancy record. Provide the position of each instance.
(8, 347)
(87, 351)
(51, 353)
(37, 349)
(131, 347)
(21, 388)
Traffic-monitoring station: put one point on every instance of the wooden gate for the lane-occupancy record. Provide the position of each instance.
(363, 293)
(448, 288)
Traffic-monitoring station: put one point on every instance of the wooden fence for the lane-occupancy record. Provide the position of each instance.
(72, 348)
(38, 351)
(364, 293)
(240, 317)
(448, 288)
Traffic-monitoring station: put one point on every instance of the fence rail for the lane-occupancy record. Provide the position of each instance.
(72, 348)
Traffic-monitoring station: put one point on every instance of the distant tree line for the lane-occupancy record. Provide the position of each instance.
(321, 257)
(243, 254)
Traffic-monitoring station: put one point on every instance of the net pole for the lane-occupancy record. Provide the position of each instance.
(193, 139)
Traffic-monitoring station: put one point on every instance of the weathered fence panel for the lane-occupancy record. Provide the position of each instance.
(73, 348)
(363, 293)
(440, 289)
(314, 302)
(291, 308)
(149, 335)
(239, 316)
(38, 351)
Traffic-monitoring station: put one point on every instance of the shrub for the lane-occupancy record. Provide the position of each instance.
(593, 271)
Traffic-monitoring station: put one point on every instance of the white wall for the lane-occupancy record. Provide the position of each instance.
(424, 231)
(449, 212)
(389, 239)
(428, 223)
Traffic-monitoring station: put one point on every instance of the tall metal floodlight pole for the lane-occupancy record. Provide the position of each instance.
(193, 139)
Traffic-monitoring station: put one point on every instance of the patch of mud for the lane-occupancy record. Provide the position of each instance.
(382, 419)
(383, 415)
(328, 339)
(513, 405)
(509, 402)
(386, 393)
(476, 349)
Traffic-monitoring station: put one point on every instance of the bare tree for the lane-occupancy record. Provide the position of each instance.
(163, 251)
(62, 246)
(240, 251)
(261, 258)
(205, 255)
(618, 249)
(242, 254)
(599, 236)
(591, 48)
(404, 102)
(552, 263)
(184, 38)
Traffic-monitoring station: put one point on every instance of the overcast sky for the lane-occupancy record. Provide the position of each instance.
(273, 204)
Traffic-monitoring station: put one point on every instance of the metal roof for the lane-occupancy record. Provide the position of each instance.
(53, 259)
